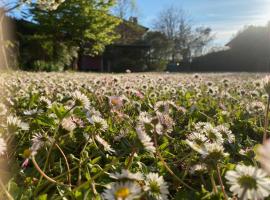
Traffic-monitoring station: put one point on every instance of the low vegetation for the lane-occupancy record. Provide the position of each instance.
(134, 136)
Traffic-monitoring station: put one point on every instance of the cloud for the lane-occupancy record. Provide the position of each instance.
(225, 17)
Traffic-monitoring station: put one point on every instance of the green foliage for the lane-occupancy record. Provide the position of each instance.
(56, 107)
(86, 24)
(186, 40)
(58, 37)
(134, 59)
(159, 52)
(39, 53)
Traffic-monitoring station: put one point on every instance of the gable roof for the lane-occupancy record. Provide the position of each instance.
(249, 34)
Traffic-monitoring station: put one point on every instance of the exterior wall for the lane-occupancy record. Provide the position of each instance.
(89, 63)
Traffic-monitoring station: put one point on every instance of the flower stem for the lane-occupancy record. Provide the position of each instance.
(202, 179)
(66, 161)
(167, 167)
(266, 120)
(211, 173)
(79, 174)
(54, 142)
(221, 183)
(131, 157)
(96, 176)
(43, 174)
(5, 190)
(41, 188)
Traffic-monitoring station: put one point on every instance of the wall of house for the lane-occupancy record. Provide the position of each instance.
(89, 63)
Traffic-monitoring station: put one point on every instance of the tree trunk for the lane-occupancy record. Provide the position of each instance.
(79, 58)
(4, 58)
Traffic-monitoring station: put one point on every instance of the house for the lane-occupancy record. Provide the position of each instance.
(248, 51)
(128, 52)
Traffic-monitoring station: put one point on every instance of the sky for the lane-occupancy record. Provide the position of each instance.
(225, 17)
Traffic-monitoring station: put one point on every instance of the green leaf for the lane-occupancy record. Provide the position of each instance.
(59, 110)
(13, 189)
(163, 146)
(43, 197)
(95, 160)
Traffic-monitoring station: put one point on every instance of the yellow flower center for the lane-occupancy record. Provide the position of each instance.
(122, 193)
(115, 102)
(27, 153)
(247, 182)
(154, 187)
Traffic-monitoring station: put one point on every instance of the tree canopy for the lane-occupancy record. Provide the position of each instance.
(187, 40)
(85, 23)
(249, 50)
(76, 27)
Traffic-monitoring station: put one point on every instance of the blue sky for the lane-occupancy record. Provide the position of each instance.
(225, 17)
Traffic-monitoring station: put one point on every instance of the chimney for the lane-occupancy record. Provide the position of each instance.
(133, 20)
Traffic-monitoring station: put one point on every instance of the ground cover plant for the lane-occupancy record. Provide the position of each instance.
(134, 136)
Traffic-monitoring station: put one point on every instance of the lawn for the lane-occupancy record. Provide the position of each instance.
(134, 136)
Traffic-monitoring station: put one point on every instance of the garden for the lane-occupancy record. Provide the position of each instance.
(134, 136)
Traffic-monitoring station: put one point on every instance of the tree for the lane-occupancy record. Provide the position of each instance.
(159, 51)
(248, 50)
(186, 40)
(190, 43)
(85, 24)
(7, 6)
(123, 7)
(168, 23)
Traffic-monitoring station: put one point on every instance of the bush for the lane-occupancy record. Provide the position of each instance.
(41, 65)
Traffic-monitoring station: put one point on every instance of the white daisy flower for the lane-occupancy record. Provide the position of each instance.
(144, 119)
(248, 182)
(162, 106)
(122, 191)
(68, 124)
(105, 144)
(153, 95)
(116, 102)
(226, 133)
(145, 140)
(156, 186)
(256, 107)
(266, 84)
(99, 123)
(200, 125)
(199, 168)
(213, 134)
(30, 112)
(81, 99)
(195, 146)
(263, 155)
(121, 135)
(3, 109)
(213, 149)
(46, 101)
(24, 126)
(125, 174)
(165, 124)
(197, 137)
(14, 123)
(38, 141)
(3, 146)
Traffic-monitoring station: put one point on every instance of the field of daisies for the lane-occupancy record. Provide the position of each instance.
(79, 136)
